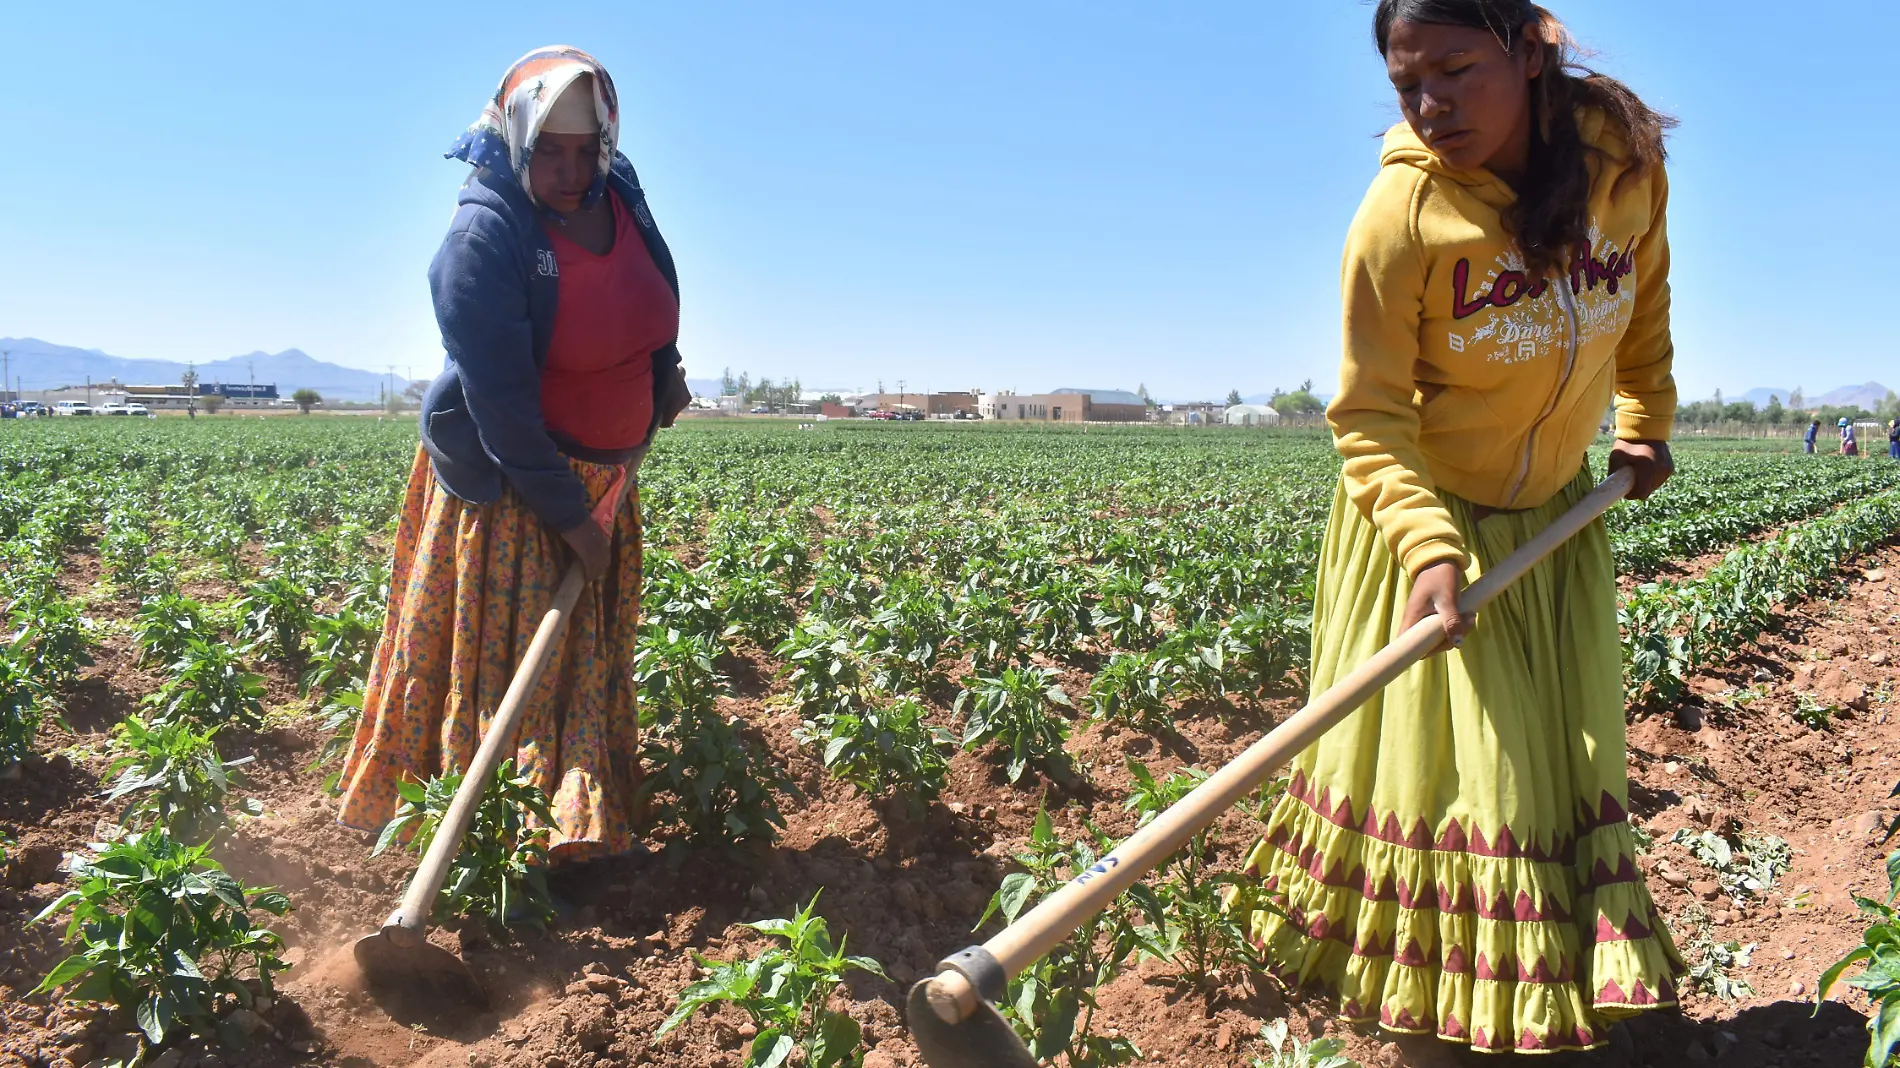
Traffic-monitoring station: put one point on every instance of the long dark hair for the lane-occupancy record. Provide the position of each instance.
(1551, 217)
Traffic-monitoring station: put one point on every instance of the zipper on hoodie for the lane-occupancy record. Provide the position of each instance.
(1569, 301)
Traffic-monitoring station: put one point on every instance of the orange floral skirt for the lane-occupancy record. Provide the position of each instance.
(469, 586)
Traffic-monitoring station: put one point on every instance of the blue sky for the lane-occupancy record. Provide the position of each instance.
(1003, 195)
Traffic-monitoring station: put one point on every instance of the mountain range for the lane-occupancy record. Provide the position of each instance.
(40, 364)
(1868, 396)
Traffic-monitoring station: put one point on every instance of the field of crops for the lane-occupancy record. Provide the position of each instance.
(920, 674)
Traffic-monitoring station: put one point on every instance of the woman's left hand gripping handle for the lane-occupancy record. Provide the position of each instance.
(593, 540)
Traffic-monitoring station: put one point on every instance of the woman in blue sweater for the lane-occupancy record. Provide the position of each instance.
(559, 309)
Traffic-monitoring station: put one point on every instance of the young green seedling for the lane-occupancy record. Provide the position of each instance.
(165, 934)
(174, 778)
(499, 872)
(787, 992)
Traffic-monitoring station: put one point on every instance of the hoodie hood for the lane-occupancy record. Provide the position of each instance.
(1404, 148)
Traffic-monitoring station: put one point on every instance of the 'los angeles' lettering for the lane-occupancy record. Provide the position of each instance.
(1512, 286)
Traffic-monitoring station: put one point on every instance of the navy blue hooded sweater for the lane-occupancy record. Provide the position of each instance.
(495, 284)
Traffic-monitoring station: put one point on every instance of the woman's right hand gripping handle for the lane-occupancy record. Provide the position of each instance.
(1435, 591)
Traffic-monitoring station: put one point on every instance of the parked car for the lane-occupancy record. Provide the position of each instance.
(760, 410)
(72, 408)
(112, 409)
(137, 409)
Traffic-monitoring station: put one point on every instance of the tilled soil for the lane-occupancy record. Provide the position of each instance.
(906, 890)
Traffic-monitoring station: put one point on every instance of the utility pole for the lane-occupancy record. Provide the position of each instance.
(88, 391)
(6, 369)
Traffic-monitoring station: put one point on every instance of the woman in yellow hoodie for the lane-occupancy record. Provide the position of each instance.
(1456, 859)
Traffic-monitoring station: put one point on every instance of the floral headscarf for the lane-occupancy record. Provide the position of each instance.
(502, 139)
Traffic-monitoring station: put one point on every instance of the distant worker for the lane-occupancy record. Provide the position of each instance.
(1814, 431)
(1506, 279)
(1893, 439)
(1850, 446)
(559, 310)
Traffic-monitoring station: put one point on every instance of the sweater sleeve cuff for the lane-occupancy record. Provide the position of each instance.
(1426, 554)
(1644, 426)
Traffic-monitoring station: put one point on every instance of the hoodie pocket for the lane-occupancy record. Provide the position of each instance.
(1459, 428)
(454, 436)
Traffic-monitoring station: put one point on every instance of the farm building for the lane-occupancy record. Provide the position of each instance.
(1195, 413)
(97, 395)
(945, 405)
(1034, 407)
(236, 395)
(1250, 415)
(1111, 405)
(1064, 406)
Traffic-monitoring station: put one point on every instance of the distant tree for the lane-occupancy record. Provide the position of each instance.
(1774, 414)
(1299, 402)
(212, 402)
(190, 379)
(1890, 407)
(1233, 397)
(306, 399)
(1831, 414)
(1141, 390)
(1701, 413)
(1741, 411)
(414, 392)
(728, 385)
(1796, 400)
(1718, 399)
(831, 398)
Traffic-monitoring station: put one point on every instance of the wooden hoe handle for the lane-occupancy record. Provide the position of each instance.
(408, 926)
(952, 995)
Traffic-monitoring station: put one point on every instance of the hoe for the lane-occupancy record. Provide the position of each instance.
(953, 1015)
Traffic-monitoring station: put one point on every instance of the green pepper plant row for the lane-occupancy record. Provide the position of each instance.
(1167, 565)
(1764, 505)
(1670, 630)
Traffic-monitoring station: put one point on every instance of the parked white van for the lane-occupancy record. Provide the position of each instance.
(72, 408)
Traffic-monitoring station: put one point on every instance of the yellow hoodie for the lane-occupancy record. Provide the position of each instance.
(1463, 374)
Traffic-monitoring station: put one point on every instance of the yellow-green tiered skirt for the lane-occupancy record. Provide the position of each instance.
(1456, 858)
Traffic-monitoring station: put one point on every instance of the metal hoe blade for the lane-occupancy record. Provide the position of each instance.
(424, 968)
(985, 1040)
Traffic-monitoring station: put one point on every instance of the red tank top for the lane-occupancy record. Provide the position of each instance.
(614, 312)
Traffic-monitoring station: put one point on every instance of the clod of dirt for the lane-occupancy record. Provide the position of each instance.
(33, 865)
